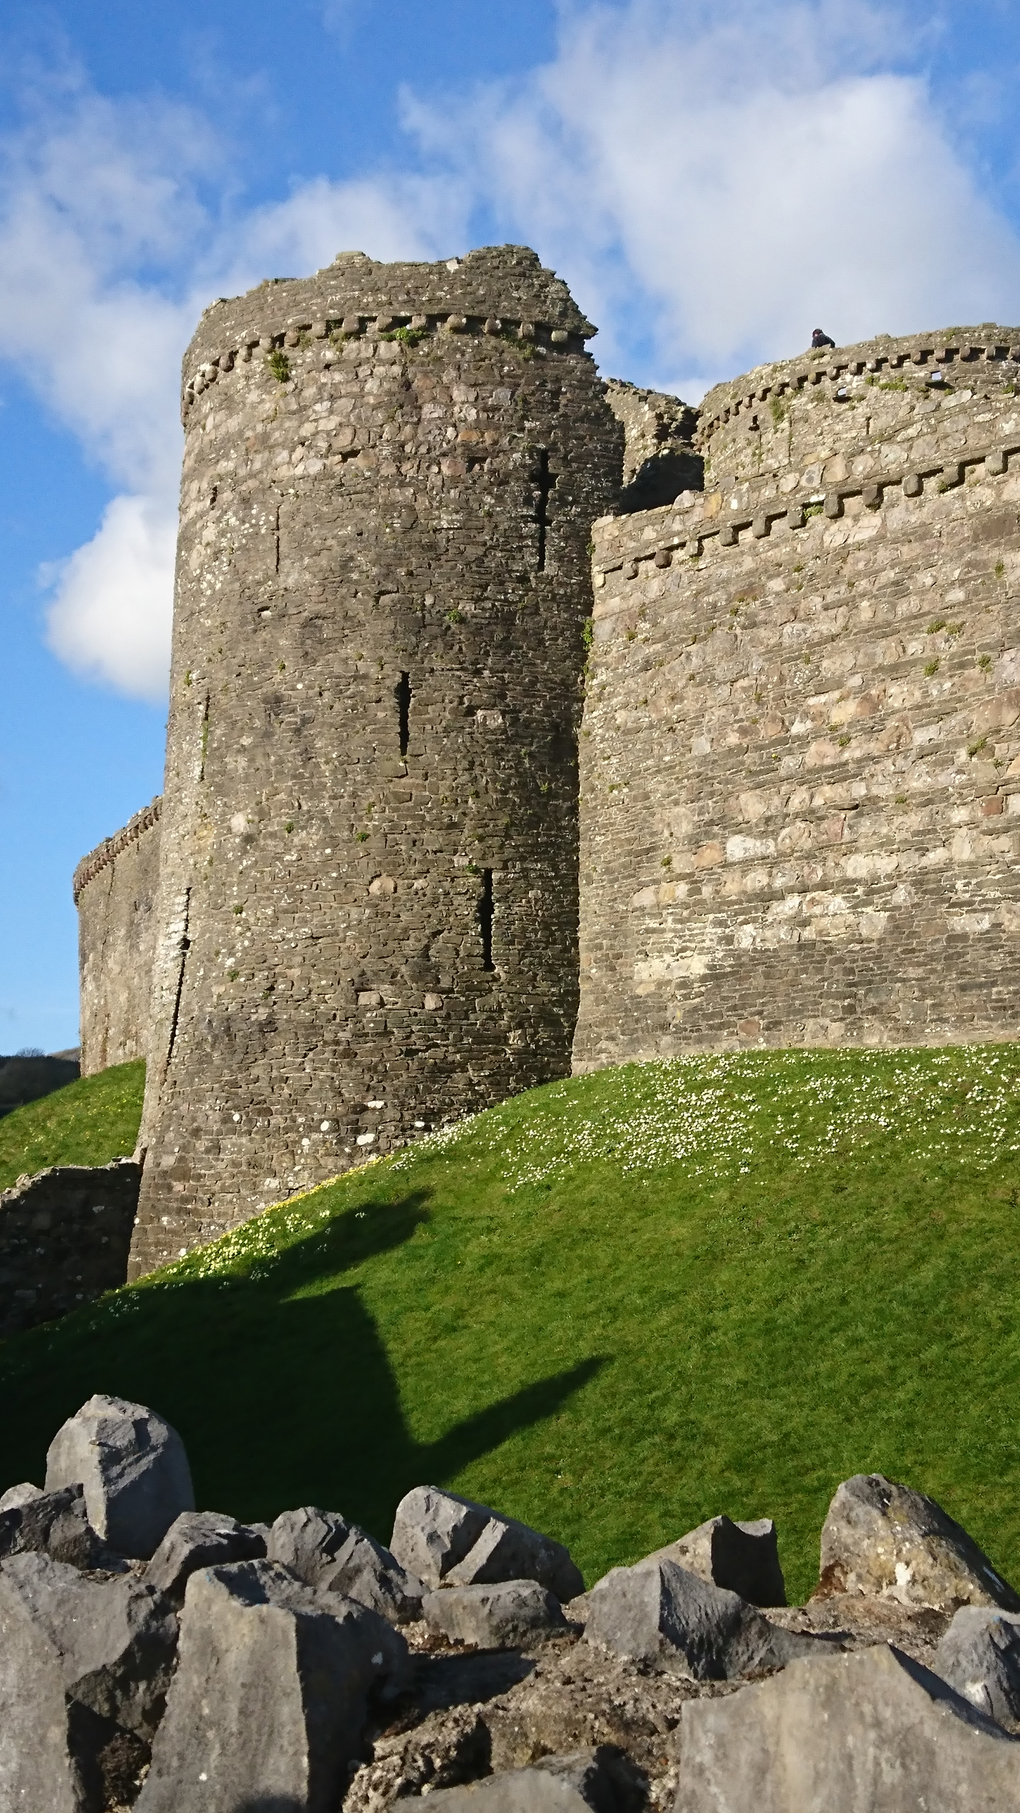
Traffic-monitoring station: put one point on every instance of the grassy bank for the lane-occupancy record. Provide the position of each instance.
(613, 1307)
(87, 1123)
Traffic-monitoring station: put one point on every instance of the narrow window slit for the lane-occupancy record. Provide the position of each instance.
(545, 484)
(402, 694)
(485, 911)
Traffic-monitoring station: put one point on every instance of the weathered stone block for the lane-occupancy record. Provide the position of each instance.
(883, 1538)
(132, 1466)
(270, 1696)
(871, 1732)
(512, 1615)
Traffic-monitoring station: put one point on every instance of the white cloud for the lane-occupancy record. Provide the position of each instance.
(107, 257)
(110, 618)
(712, 180)
(405, 216)
(734, 175)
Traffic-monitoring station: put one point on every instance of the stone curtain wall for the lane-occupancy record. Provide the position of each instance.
(368, 916)
(115, 893)
(800, 759)
(64, 1239)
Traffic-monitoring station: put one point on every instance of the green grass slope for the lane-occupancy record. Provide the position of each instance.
(613, 1307)
(88, 1123)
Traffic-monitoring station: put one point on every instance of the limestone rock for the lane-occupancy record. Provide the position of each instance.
(660, 1613)
(433, 1530)
(741, 1556)
(511, 1615)
(366, 1571)
(869, 1732)
(132, 1466)
(884, 1538)
(16, 1496)
(980, 1656)
(200, 1539)
(441, 1537)
(271, 1694)
(307, 1541)
(328, 1552)
(84, 1670)
(56, 1522)
(589, 1781)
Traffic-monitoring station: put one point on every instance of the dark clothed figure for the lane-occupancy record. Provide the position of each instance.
(820, 339)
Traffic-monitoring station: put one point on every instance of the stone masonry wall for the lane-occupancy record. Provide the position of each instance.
(64, 1239)
(115, 893)
(800, 758)
(368, 909)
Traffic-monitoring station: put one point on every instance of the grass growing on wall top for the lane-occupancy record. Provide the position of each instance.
(613, 1306)
(86, 1123)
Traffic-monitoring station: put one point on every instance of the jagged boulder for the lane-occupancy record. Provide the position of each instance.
(660, 1613)
(366, 1571)
(979, 1655)
(433, 1530)
(57, 1523)
(132, 1466)
(328, 1552)
(16, 1496)
(512, 1615)
(271, 1694)
(589, 1781)
(741, 1556)
(868, 1732)
(200, 1539)
(439, 1537)
(84, 1669)
(885, 1539)
(307, 1541)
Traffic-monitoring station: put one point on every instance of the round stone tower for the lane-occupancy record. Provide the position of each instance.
(369, 871)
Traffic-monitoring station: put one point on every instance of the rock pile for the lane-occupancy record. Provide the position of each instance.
(156, 1657)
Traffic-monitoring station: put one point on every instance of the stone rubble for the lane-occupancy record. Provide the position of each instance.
(660, 1613)
(305, 1668)
(336, 1556)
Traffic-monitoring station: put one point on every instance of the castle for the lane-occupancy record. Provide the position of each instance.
(461, 789)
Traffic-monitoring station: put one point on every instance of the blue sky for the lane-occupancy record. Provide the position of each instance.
(712, 180)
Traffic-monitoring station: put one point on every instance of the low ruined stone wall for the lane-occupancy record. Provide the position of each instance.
(115, 892)
(64, 1238)
(801, 756)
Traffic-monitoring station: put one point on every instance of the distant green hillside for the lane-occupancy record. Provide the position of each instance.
(88, 1123)
(613, 1306)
